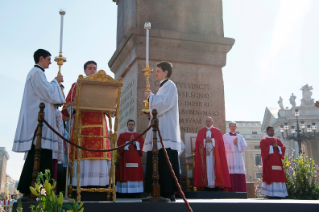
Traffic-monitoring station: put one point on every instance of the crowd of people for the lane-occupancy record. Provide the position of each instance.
(218, 158)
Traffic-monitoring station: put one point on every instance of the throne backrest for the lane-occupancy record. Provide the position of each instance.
(98, 92)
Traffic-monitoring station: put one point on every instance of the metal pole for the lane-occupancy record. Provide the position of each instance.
(37, 155)
(298, 136)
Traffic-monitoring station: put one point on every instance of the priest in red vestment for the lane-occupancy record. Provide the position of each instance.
(210, 160)
(274, 178)
(95, 166)
(129, 173)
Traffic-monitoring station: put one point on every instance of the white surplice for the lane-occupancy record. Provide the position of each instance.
(38, 89)
(94, 172)
(210, 160)
(234, 156)
(166, 103)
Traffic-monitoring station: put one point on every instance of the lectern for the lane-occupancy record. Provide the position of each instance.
(98, 93)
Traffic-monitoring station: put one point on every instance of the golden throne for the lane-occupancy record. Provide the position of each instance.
(99, 93)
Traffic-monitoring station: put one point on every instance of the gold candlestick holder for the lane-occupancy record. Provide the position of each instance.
(60, 60)
(147, 72)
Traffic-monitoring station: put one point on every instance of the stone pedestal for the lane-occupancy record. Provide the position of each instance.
(187, 33)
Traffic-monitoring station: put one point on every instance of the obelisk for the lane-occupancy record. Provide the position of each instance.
(188, 34)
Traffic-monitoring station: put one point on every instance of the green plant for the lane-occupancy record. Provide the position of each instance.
(47, 200)
(19, 208)
(301, 174)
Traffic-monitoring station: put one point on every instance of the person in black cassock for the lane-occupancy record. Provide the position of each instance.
(38, 89)
(165, 101)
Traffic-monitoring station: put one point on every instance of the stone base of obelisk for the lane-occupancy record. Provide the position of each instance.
(197, 73)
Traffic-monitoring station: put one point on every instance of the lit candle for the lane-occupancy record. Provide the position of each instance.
(62, 13)
(147, 26)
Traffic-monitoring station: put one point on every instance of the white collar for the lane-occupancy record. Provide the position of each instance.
(208, 128)
(129, 131)
(270, 136)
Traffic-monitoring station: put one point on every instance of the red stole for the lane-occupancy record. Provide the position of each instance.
(272, 165)
(124, 173)
(221, 169)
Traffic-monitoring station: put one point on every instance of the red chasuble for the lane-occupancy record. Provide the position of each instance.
(130, 161)
(221, 169)
(93, 123)
(272, 164)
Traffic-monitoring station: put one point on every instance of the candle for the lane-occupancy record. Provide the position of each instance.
(62, 13)
(147, 45)
(147, 26)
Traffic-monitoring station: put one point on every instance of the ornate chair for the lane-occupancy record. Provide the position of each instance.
(99, 93)
(190, 139)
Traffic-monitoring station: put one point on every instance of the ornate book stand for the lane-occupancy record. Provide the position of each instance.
(98, 93)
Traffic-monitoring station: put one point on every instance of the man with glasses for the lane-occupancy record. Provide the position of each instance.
(211, 171)
(235, 144)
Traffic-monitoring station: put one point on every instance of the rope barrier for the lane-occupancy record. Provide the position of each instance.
(173, 173)
(93, 150)
(108, 150)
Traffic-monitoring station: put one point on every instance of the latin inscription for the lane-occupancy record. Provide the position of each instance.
(198, 112)
(127, 105)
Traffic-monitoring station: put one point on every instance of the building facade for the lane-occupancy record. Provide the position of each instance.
(251, 131)
(3, 169)
(308, 113)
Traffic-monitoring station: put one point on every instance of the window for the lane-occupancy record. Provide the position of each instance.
(256, 147)
(254, 133)
(258, 175)
(258, 160)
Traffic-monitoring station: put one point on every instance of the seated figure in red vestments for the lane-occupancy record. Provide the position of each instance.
(274, 178)
(129, 173)
(95, 166)
(211, 169)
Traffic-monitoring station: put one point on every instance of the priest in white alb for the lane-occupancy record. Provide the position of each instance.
(235, 145)
(38, 89)
(165, 101)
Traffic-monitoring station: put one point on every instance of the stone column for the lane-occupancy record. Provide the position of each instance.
(190, 35)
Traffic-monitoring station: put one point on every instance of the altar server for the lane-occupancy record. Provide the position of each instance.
(165, 101)
(95, 166)
(129, 173)
(211, 170)
(235, 144)
(38, 89)
(274, 179)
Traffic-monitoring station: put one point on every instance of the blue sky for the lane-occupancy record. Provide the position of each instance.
(275, 52)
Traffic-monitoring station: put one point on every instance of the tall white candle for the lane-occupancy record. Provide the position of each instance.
(147, 26)
(147, 46)
(62, 13)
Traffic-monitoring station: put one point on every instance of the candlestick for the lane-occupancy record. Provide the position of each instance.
(147, 26)
(60, 59)
(62, 13)
(147, 70)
